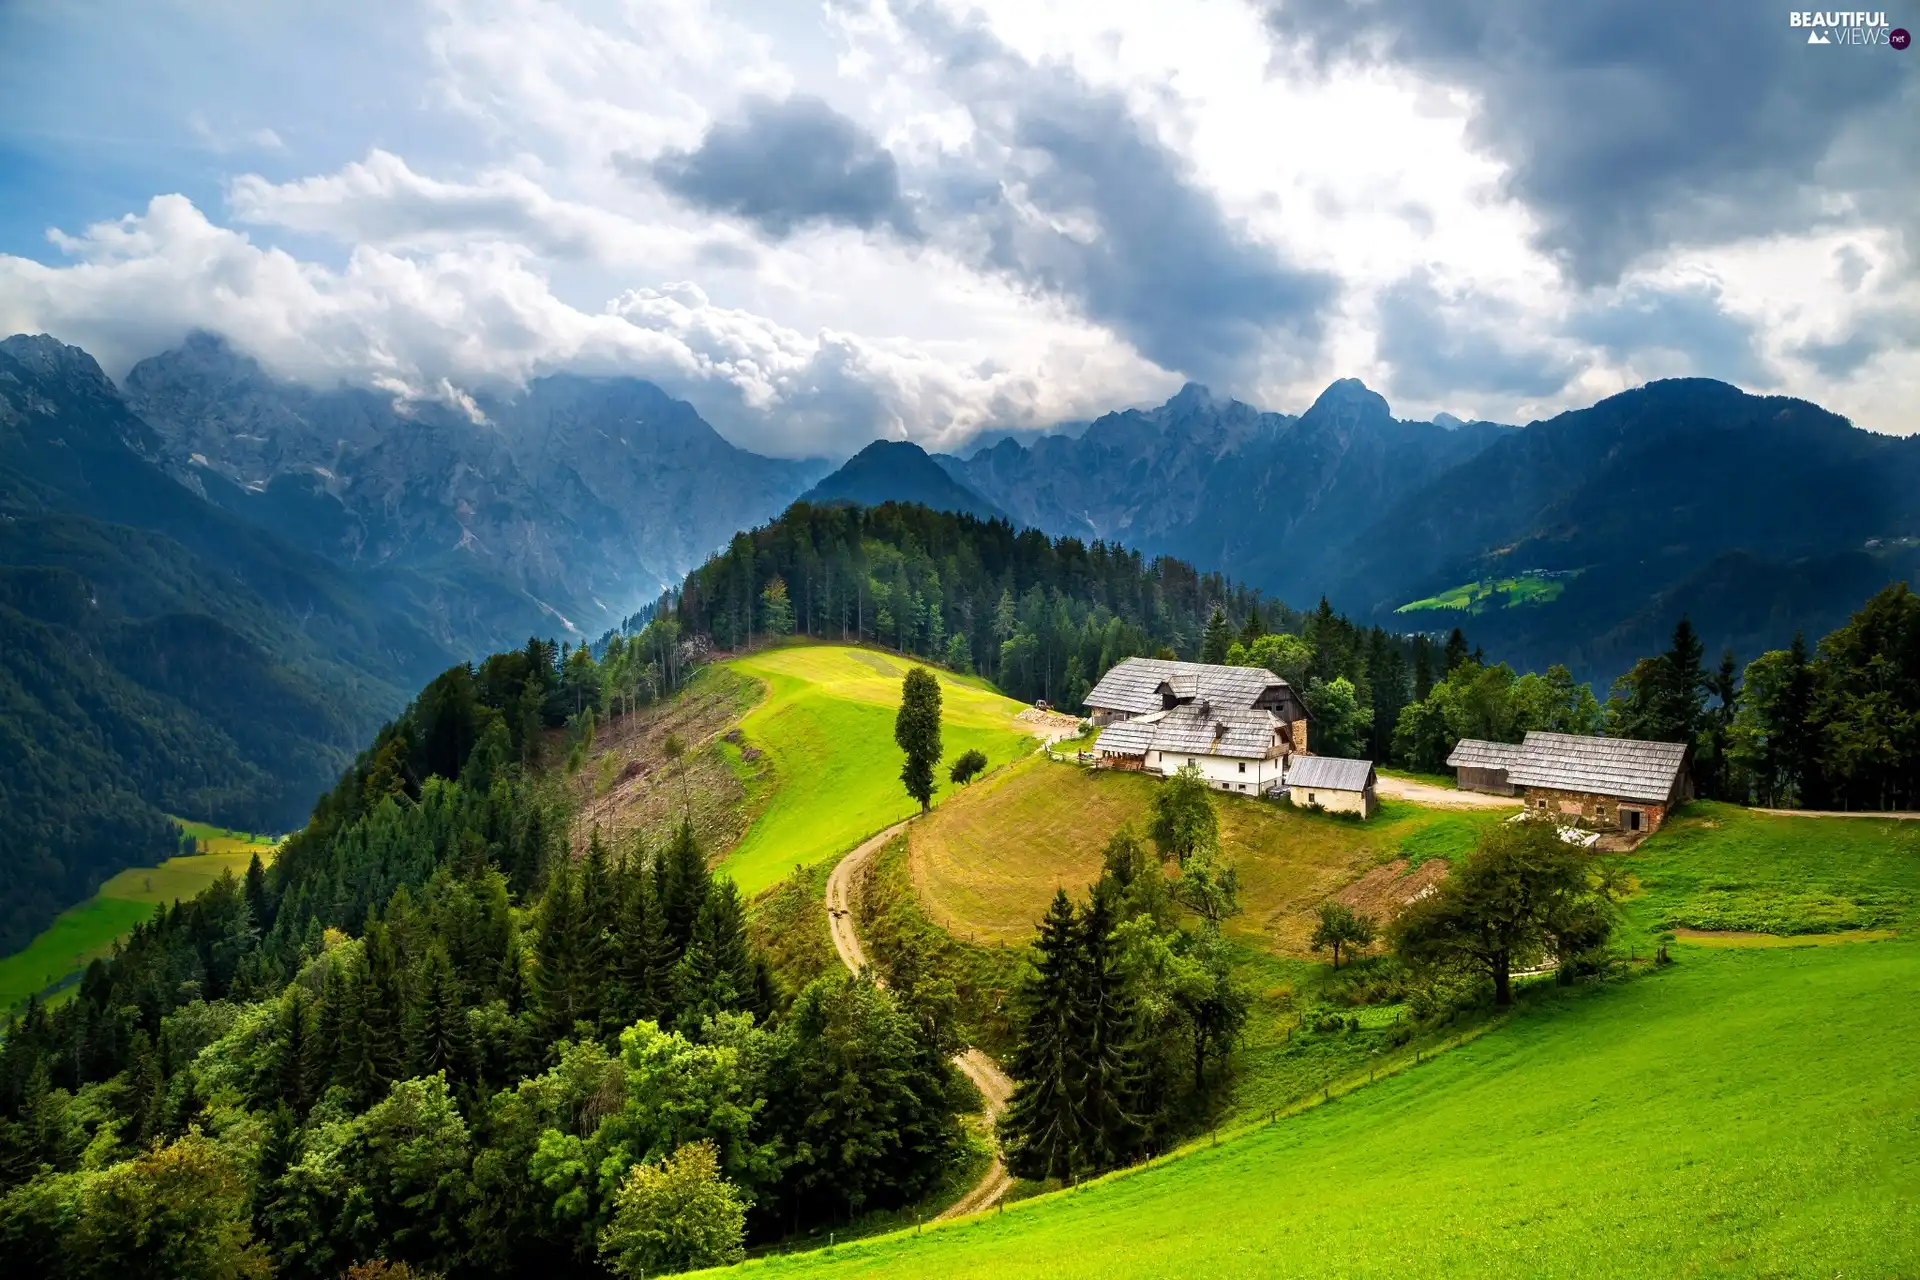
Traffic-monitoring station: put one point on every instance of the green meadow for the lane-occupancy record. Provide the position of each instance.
(1739, 1113)
(826, 726)
(1491, 593)
(84, 933)
(1720, 867)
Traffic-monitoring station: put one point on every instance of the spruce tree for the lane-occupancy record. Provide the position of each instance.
(560, 985)
(916, 728)
(1040, 1131)
(1106, 1046)
(642, 955)
(1218, 637)
(682, 879)
(1456, 652)
(437, 1036)
(716, 973)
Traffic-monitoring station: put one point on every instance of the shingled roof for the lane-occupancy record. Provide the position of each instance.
(1472, 753)
(1193, 730)
(1331, 773)
(1133, 686)
(1128, 738)
(1623, 767)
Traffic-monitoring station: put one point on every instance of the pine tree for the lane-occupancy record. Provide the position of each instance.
(437, 1036)
(1255, 626)
(642, 955)
(1422, 668)
(1218, 637)
(561, 995)
(1040, 1131)
(1106, 1047)
(682, 880)
(1456, 651)
(916, 728)
(716, 973)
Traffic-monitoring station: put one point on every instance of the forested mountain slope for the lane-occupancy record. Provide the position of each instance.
(1759, 515)
(159, 654)
(899, 471)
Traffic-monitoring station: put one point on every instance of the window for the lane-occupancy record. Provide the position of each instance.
(1243, 766)
(1310, 798)
(1543, 804)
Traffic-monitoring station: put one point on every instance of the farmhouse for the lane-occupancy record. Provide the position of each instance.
(1236, 725)
(1612, 783)
(1333, 784)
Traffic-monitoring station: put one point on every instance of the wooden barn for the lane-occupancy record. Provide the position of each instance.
(1621, 784)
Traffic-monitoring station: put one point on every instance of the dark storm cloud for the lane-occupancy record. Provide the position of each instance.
(1439, 346)
(1067, 192)
(1687, 321)
(784, 164)
(1638, 123)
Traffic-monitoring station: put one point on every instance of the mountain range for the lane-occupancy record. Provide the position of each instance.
(560, 509)
(1754, 515)
(214, 583)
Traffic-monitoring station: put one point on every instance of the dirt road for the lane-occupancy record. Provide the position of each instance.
(1433, 797)
(995, 1088)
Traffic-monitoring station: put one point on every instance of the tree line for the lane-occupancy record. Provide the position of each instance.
(428, 1034)
(1836, 726)
(1042, 617)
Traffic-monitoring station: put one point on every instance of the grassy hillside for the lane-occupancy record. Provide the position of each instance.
(1719, 867)
(1698, 1121)
(1532, 587)
(987, 863)
(83, 933)
(826, 729)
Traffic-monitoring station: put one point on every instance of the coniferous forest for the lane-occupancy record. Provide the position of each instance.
(427, 1034)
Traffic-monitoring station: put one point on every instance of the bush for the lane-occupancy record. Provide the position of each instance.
(969, 766)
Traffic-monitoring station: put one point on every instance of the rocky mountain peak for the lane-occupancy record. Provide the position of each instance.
(48, 357)
(1349, 401)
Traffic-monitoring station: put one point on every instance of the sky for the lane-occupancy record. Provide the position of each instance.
(827, 223)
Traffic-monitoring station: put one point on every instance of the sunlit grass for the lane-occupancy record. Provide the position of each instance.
(826, 726)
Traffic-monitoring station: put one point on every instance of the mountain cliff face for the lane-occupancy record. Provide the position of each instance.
(1258, 495)
(561, 508)
(900, 471)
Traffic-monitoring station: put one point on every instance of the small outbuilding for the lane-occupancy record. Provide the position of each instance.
(1483, 766)
(1332, 783)
(1622, 784)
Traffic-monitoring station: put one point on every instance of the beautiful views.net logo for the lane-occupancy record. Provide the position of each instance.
(1849, 27)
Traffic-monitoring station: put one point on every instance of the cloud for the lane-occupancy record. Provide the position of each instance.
(382, 201)
(1442, 345)
(445, 324)
(783, 165)
(1685, 325)
(1635, 125)
(1065, 189)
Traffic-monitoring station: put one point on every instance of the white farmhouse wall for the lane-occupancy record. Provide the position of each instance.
(1222, 773)
(1330, 800)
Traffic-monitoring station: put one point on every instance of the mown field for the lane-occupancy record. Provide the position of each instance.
(81, 934)
(988, 862)
(1719, 867)
(1741, 1113)
(826, 728)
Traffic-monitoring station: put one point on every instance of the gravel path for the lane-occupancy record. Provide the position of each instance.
(1433, 797)
(994, 1085)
